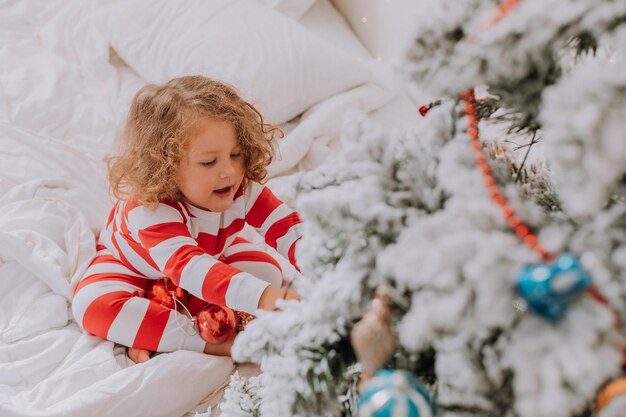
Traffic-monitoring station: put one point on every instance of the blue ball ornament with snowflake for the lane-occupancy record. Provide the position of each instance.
(393, 393)
(550, 288)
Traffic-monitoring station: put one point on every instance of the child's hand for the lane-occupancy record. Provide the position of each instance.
(272, 294)
(219, 349)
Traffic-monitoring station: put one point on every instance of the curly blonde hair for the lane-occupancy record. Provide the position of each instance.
(159, 127)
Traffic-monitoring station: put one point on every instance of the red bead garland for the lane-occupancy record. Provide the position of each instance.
(513, 220)
(521, 230)
(617, 387)
(503, 9)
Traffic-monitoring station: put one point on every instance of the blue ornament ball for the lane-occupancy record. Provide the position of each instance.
(550, 288)
(392, 393)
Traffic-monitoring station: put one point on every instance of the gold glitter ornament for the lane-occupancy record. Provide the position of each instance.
(243, 319)
(611, 391)
(373, 338)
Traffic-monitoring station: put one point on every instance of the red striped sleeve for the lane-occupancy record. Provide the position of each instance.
(256, 255)
(280, 228)
(283, 221)
(123, 258)
(148, 232)
(153, 235)
(112, 214)
(292, 253)
(176, 263)
(141, 251)
(264, 205)
(161, 236)
(216, 283)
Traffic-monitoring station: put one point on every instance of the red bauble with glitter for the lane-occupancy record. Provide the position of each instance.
(163, 292)
(216, 324)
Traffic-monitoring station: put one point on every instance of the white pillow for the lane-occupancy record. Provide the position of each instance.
(327, 23)
(273, 61)
(295, 9)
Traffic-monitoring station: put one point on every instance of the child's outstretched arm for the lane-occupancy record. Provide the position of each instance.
(164, 241)
(278, 223)
(272, 294)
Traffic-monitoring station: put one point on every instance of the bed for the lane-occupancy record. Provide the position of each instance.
(68, 70)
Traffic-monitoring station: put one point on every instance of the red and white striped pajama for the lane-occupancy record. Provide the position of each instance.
(199, 250)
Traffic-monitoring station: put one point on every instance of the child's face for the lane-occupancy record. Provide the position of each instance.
(213, 168)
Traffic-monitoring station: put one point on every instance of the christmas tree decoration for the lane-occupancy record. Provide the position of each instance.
(373, 337)
(550, 288)
(513, 220)
(241, 396)
(392, 393)
(426, 108)
(243, 319)
(584, 118)
(504, 9)
(411, 211)
(309, 344)
(216, 324)
(547, 288)
(517, 48)
(163, 291)
(612, 391)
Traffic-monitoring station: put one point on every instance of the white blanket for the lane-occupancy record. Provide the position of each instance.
(53, 199)
(61, 106)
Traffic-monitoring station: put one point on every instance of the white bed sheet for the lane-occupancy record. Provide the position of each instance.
(48, 212)
(62, 104)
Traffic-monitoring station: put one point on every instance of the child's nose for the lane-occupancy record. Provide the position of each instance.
(228, 169)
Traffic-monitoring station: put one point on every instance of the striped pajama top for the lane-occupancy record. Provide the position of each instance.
(184, 243)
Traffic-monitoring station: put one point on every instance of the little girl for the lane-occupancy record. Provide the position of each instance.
(187, 181)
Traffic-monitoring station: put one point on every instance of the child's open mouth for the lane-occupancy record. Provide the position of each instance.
(223, 192)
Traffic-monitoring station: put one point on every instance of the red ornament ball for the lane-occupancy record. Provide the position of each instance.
(216, 324)
(163, 292)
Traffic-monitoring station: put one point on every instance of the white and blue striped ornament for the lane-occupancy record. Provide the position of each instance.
(393, 393)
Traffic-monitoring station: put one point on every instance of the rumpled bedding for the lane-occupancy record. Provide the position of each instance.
(63, 98)
(53, 198)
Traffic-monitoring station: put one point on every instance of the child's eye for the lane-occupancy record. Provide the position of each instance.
(235, 155)
(208, 163)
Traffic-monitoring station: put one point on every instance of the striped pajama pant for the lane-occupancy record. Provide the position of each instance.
(110, 301)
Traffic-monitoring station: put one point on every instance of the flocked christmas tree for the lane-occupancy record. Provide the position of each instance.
(506, 274)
